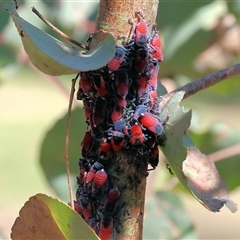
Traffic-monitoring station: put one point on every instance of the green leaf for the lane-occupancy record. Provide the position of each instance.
(53, 57)
(166, 218)
(52, 151)
(43, 217)
(193, 169)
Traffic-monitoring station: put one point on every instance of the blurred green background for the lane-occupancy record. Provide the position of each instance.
(199, 37)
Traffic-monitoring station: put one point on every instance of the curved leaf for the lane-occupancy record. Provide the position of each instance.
(193, 169)
(43, 217)
(54, 57)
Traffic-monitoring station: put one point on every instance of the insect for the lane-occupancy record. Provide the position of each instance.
(156, 45)
(116, 113)
(106, 228)
(100, 85)
(87, 144)
(85, 83)
(169, 169)
(152, 123)
(99, 111)
(87, 107)
(143, 86)
(141, 59)
(104, 150)
(122, 82)
(154, 76)
(118, 58)
(136, 137)
(141, 33)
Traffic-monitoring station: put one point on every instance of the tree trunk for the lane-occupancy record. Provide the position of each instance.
(123, 172)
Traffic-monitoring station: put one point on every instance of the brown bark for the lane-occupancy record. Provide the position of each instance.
(113, 16)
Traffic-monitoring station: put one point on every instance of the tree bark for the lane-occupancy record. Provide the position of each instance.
(113, 17)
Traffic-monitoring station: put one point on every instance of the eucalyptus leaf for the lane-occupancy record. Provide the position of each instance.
(43, 217)
(54, 57)
(193, 169)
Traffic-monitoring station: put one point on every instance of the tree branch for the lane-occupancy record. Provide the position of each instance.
(205, 82)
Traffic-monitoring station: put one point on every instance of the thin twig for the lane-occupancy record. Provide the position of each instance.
(225, 153)
(66, 157)
(206, 82)
(55, 29)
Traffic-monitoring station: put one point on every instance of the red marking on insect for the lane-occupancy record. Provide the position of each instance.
(105, 231)
(154, 76)
(118, 58)
(113, 195)
(77, 207)
(89, 177)
(116, 113)
(85, 83)
(141, 33)
(117, 141)
(136, 137)
(87, 144)
(100, 178)
(143, 86)
(156, 45)
(152, 123)
(122, 102)
(87, 212)
(100, 85)
(104, 150)
(141, 59)
(122, 82)
(87, 107)
(99, 111)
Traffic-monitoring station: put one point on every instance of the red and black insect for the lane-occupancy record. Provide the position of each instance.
(142, 86)
(122, 82)
(112, 197)
(141, 34)
(85, 83)
(99, 111)
(100, 85)
(116, 113)
(156, 45)
(152, 123)
(105, 150)
(141, 59)
(99, 180)
(87, 144)
(87, 107)
(106, 228)
(114, 64)
(136, 135)
(153, 77)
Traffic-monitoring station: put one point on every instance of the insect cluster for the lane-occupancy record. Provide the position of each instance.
(121, 108)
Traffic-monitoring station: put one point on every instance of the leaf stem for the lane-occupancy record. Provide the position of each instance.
(66, 155)
(55, 29)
